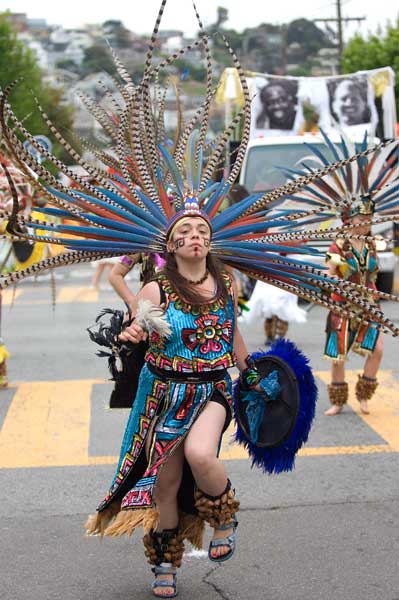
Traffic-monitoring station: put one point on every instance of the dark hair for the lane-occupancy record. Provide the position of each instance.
(147, 273)
(290, 86)
(185, 290)
(360, 84)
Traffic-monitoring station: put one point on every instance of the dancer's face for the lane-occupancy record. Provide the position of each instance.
(359, 220)
(191, 238)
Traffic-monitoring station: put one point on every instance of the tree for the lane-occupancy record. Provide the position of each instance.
(98, 58)
(117, 34)
(381, 50)
(223, 16)
(19, 63)
(308, 36)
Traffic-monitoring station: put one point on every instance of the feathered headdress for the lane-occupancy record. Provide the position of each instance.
(148, 182)
(367, 186)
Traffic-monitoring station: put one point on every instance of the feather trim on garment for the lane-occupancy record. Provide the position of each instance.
(97, 524)
(338, 261)
(127, 521)
(151, 318)
(192, 528)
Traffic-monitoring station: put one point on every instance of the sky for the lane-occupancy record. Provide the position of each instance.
(140, 16)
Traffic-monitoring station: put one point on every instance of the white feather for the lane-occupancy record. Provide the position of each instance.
(152, 318)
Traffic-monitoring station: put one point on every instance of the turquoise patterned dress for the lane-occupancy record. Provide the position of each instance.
(181, 375)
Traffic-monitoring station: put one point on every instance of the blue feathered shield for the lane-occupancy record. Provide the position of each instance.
(273, 425)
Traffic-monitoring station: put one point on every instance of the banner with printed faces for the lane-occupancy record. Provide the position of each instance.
(354, 103)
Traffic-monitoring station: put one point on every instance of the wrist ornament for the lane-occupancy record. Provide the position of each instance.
(250, 377)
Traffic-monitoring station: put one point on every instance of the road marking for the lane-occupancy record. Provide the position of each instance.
(384, 417)
(9, 296)
(77, 294)
(65, 294)
(48, 425)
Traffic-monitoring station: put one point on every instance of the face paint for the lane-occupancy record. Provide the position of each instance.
(179, 243)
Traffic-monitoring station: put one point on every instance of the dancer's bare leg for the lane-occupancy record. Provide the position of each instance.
(200, 449)
(168, 483)
(373, 361)
(97, 274)
(371, 367)
(167, 486)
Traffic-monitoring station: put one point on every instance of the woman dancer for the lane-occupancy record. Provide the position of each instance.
(357, 261)
(185, 394)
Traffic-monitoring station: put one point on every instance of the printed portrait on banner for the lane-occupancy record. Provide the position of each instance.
(351, 103)
(276, 107)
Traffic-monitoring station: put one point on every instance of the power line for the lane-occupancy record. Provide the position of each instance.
(339, 20)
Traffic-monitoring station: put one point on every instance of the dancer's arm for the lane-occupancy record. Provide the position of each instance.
(117, 280)
(240, 348)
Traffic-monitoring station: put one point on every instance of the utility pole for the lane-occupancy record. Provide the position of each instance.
(339, 20)
(340, 36)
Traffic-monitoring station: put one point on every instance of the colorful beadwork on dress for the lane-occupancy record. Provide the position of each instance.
(201, 342)
(202, 338)
(212, 306)
(208, 334)
(140, 495)
(345, 334)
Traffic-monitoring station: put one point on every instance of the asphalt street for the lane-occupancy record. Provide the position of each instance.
(329, 530)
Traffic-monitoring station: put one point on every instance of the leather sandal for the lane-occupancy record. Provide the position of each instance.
(163, 583)
(229, 541)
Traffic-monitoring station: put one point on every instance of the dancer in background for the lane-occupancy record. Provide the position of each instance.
(357, 261)
(360, 194)
(126, 381)
(149, 264)
(100, 267)
(4, 354)
(275, 308)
